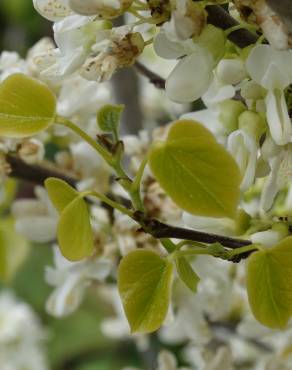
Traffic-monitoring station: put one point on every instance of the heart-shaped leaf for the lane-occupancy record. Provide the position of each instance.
(144, 282)
(61, 194)
(198, 174)
(27, 106)
(269, 284)
(75, 235)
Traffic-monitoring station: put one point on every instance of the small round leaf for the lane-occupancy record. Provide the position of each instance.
(75, 235)
(61, 194)
(144, 282)
(269, 284)
(27, 106)
(198, 174)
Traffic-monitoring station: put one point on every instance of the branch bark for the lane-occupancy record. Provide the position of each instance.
(33, 173)
(220, 18)
(159, 230)
(156, 80)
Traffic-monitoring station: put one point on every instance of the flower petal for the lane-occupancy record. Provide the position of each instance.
(191, 78)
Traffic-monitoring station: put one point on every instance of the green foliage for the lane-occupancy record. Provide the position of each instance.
(13, 250)
(198, 174)
(269, 284)
(144, 282)
(187, 274)
(60, 193)
(75, 235)
(108, 117)
(27, 106)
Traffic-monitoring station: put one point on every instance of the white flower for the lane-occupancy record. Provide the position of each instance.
(21, 336)
(244, 147)
(187, 20)
(80, 97)
(90, 167)
(70, 280)
(184, 84)
(272, 70)
(279, 177)
(36, 219)
(74, 36)
(31, 151)
(104, 8)
(167, 361)
(268, 238)
(54, 10)
(202, 359)
(221, 226)
(189, 323)
(10, 63)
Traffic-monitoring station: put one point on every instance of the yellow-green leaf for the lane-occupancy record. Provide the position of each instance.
(75, 235)
(144, 282)
(108, 117)
(269, 284)
(186, 273)
(27, 106)
(60, 193)
(198, 174)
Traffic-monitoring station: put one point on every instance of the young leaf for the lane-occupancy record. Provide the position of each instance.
(108, 117)
(75, 235)
(198, 174)
(269, 284)
(60, 193)
(27, 106)
(186, 273)
(144, 282)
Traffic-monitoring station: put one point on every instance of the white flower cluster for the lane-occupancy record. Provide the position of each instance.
(21, 336)
(248, 103)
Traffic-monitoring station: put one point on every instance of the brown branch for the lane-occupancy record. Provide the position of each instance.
(159, 230)
(156, 80)
(33, 173)
(220, 18)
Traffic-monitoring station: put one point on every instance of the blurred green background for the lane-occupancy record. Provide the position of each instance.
(20, 25)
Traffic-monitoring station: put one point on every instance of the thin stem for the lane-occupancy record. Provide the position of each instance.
(94, 144)
(236, 252)
(192, 252)
(168, 245)
(148, 42)
(154, 78)
(190, 243)
(109, 202)
(136, 185)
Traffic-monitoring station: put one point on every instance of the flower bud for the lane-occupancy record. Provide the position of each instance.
(231, 71)
(230, 110)
(252, 123)
(31, 151)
